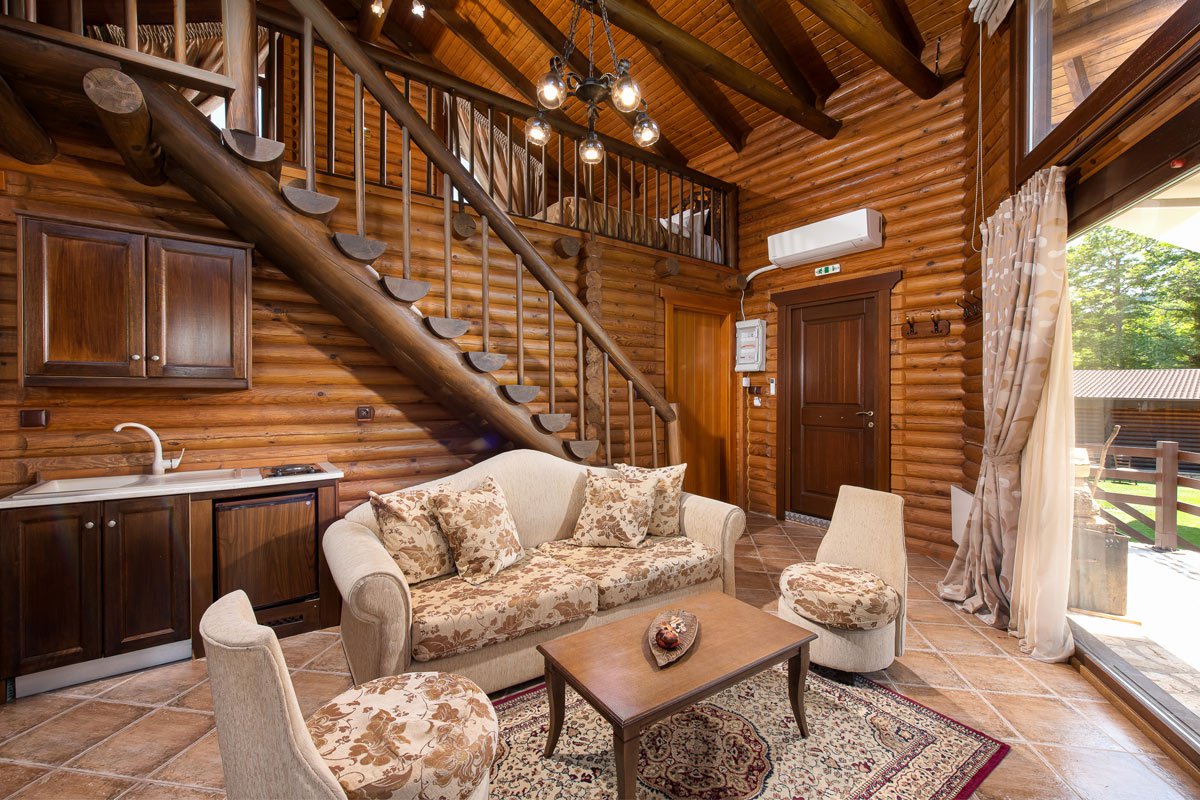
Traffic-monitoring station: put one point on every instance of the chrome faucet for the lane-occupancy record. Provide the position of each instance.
(159, 467)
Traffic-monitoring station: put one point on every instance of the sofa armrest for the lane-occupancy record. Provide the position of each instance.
(376, 604)
(717, 525)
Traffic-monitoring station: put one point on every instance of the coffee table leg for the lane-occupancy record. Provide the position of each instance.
(626, 751)
(797, 672)
(556, 692)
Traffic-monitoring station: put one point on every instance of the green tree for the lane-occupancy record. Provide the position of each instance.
(1135, 301)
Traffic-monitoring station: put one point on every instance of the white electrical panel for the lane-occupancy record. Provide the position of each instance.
(751, 344)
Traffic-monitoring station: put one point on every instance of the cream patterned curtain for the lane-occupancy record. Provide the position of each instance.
(1024, 265)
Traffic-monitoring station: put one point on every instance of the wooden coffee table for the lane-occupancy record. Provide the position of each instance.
(611, 667)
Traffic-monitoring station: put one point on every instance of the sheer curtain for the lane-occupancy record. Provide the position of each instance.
(1025, 295)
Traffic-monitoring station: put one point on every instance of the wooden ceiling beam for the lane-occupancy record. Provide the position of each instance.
(799, 45)
(898, 21)
(652, 29)
(767, 38)
(707, 97)
(854, 24)
(548, 33)
(370, 23)
(400, 36)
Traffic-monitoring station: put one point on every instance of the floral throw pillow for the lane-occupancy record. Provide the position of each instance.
(616, 510)
(667, 499)
(480, 529)
(409, 532)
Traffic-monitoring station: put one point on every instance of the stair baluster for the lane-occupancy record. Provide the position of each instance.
(358, 247)
(632, 454)
(520, 278)
(607, 417)
(551, 334)
(654, 436)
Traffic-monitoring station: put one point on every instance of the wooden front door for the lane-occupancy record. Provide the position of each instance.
(700, 379)
(834, 380)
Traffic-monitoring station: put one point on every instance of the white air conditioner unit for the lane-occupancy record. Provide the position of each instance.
(851, 232)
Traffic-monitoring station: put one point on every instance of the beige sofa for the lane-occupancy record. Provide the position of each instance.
(489, 633)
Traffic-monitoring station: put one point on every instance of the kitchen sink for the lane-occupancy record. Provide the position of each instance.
(117, 482)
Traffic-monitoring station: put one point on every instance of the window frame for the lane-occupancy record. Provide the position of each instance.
(1170, 52)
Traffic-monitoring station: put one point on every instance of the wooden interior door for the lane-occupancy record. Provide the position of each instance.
(145, 573)
(699, 352)
(835, 390)
(84, 301)
(195, 310)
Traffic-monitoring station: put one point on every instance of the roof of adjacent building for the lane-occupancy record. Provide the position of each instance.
(1138, 384)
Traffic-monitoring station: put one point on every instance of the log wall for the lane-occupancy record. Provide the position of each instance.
(309, 371)
(905, 158)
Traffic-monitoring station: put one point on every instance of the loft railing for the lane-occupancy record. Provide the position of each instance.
(633, 196)
(428, 161)
(141, 37)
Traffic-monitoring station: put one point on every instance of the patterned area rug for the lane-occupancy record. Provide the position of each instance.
(865, 742)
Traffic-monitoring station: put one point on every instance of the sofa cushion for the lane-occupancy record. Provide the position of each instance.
(616, 510)
(452, 617)
(660, 565)
(668, 496)
(839, 596)
(480, 530)
(419, 736)
(410, 533)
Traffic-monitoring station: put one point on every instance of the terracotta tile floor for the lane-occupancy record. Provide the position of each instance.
(151, 735)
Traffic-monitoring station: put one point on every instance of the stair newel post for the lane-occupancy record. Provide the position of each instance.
(75, 15)
(241, 61)
(674, 440)
(331, 113)
(520, 321)
(383, 147)
(308, 81)
(607, 417)
(486, 283)
(551, 336)
(580, 381)
(632, 454)
(654, 436)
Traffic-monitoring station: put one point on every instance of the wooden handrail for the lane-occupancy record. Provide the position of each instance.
(1166, 480)
(355, 57)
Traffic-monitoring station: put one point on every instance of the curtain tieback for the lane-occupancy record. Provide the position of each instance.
(1003, 459)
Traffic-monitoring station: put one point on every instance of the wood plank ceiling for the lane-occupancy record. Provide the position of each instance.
(487, 43)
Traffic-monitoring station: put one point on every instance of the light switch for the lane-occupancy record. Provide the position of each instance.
(771, 383)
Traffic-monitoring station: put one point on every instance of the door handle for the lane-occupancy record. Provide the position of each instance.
(864, 413)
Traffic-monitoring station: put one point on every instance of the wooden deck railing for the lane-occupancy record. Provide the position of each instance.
(1167, 480)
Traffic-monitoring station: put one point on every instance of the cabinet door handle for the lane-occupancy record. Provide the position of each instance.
(135, 357)
(89, 525)
(154, 358)
(112, 523)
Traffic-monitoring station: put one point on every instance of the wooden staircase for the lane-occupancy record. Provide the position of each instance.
(236, 175)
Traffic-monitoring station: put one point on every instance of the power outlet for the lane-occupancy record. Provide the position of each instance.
(364, 413)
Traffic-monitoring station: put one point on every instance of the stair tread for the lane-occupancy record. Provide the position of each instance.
(552, 423)
(581, 449)
(309, 203)
(403, 289)
(360, 248)
(485, 361)
(520, 393)
(264, 154)
(447, 327)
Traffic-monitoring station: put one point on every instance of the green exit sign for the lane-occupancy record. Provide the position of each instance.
(828, 269)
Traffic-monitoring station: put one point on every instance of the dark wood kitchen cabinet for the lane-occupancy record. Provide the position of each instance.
(86, 580)
(106, 307)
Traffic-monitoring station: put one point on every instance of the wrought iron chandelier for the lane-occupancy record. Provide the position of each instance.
(562, 83)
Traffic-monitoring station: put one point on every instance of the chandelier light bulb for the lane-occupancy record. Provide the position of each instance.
(377, 8)
(591, 149)
(552, 90)
(418, 9)
(645, 130)
(537, 130)
(626, 95)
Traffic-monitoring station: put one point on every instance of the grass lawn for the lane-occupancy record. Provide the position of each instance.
(1188, 525)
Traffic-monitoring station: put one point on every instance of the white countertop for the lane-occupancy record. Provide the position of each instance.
(89, 490)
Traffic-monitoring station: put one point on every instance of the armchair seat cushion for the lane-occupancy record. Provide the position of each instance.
(419, 736)
(838, 596)
(451, 616)
(662, 564)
